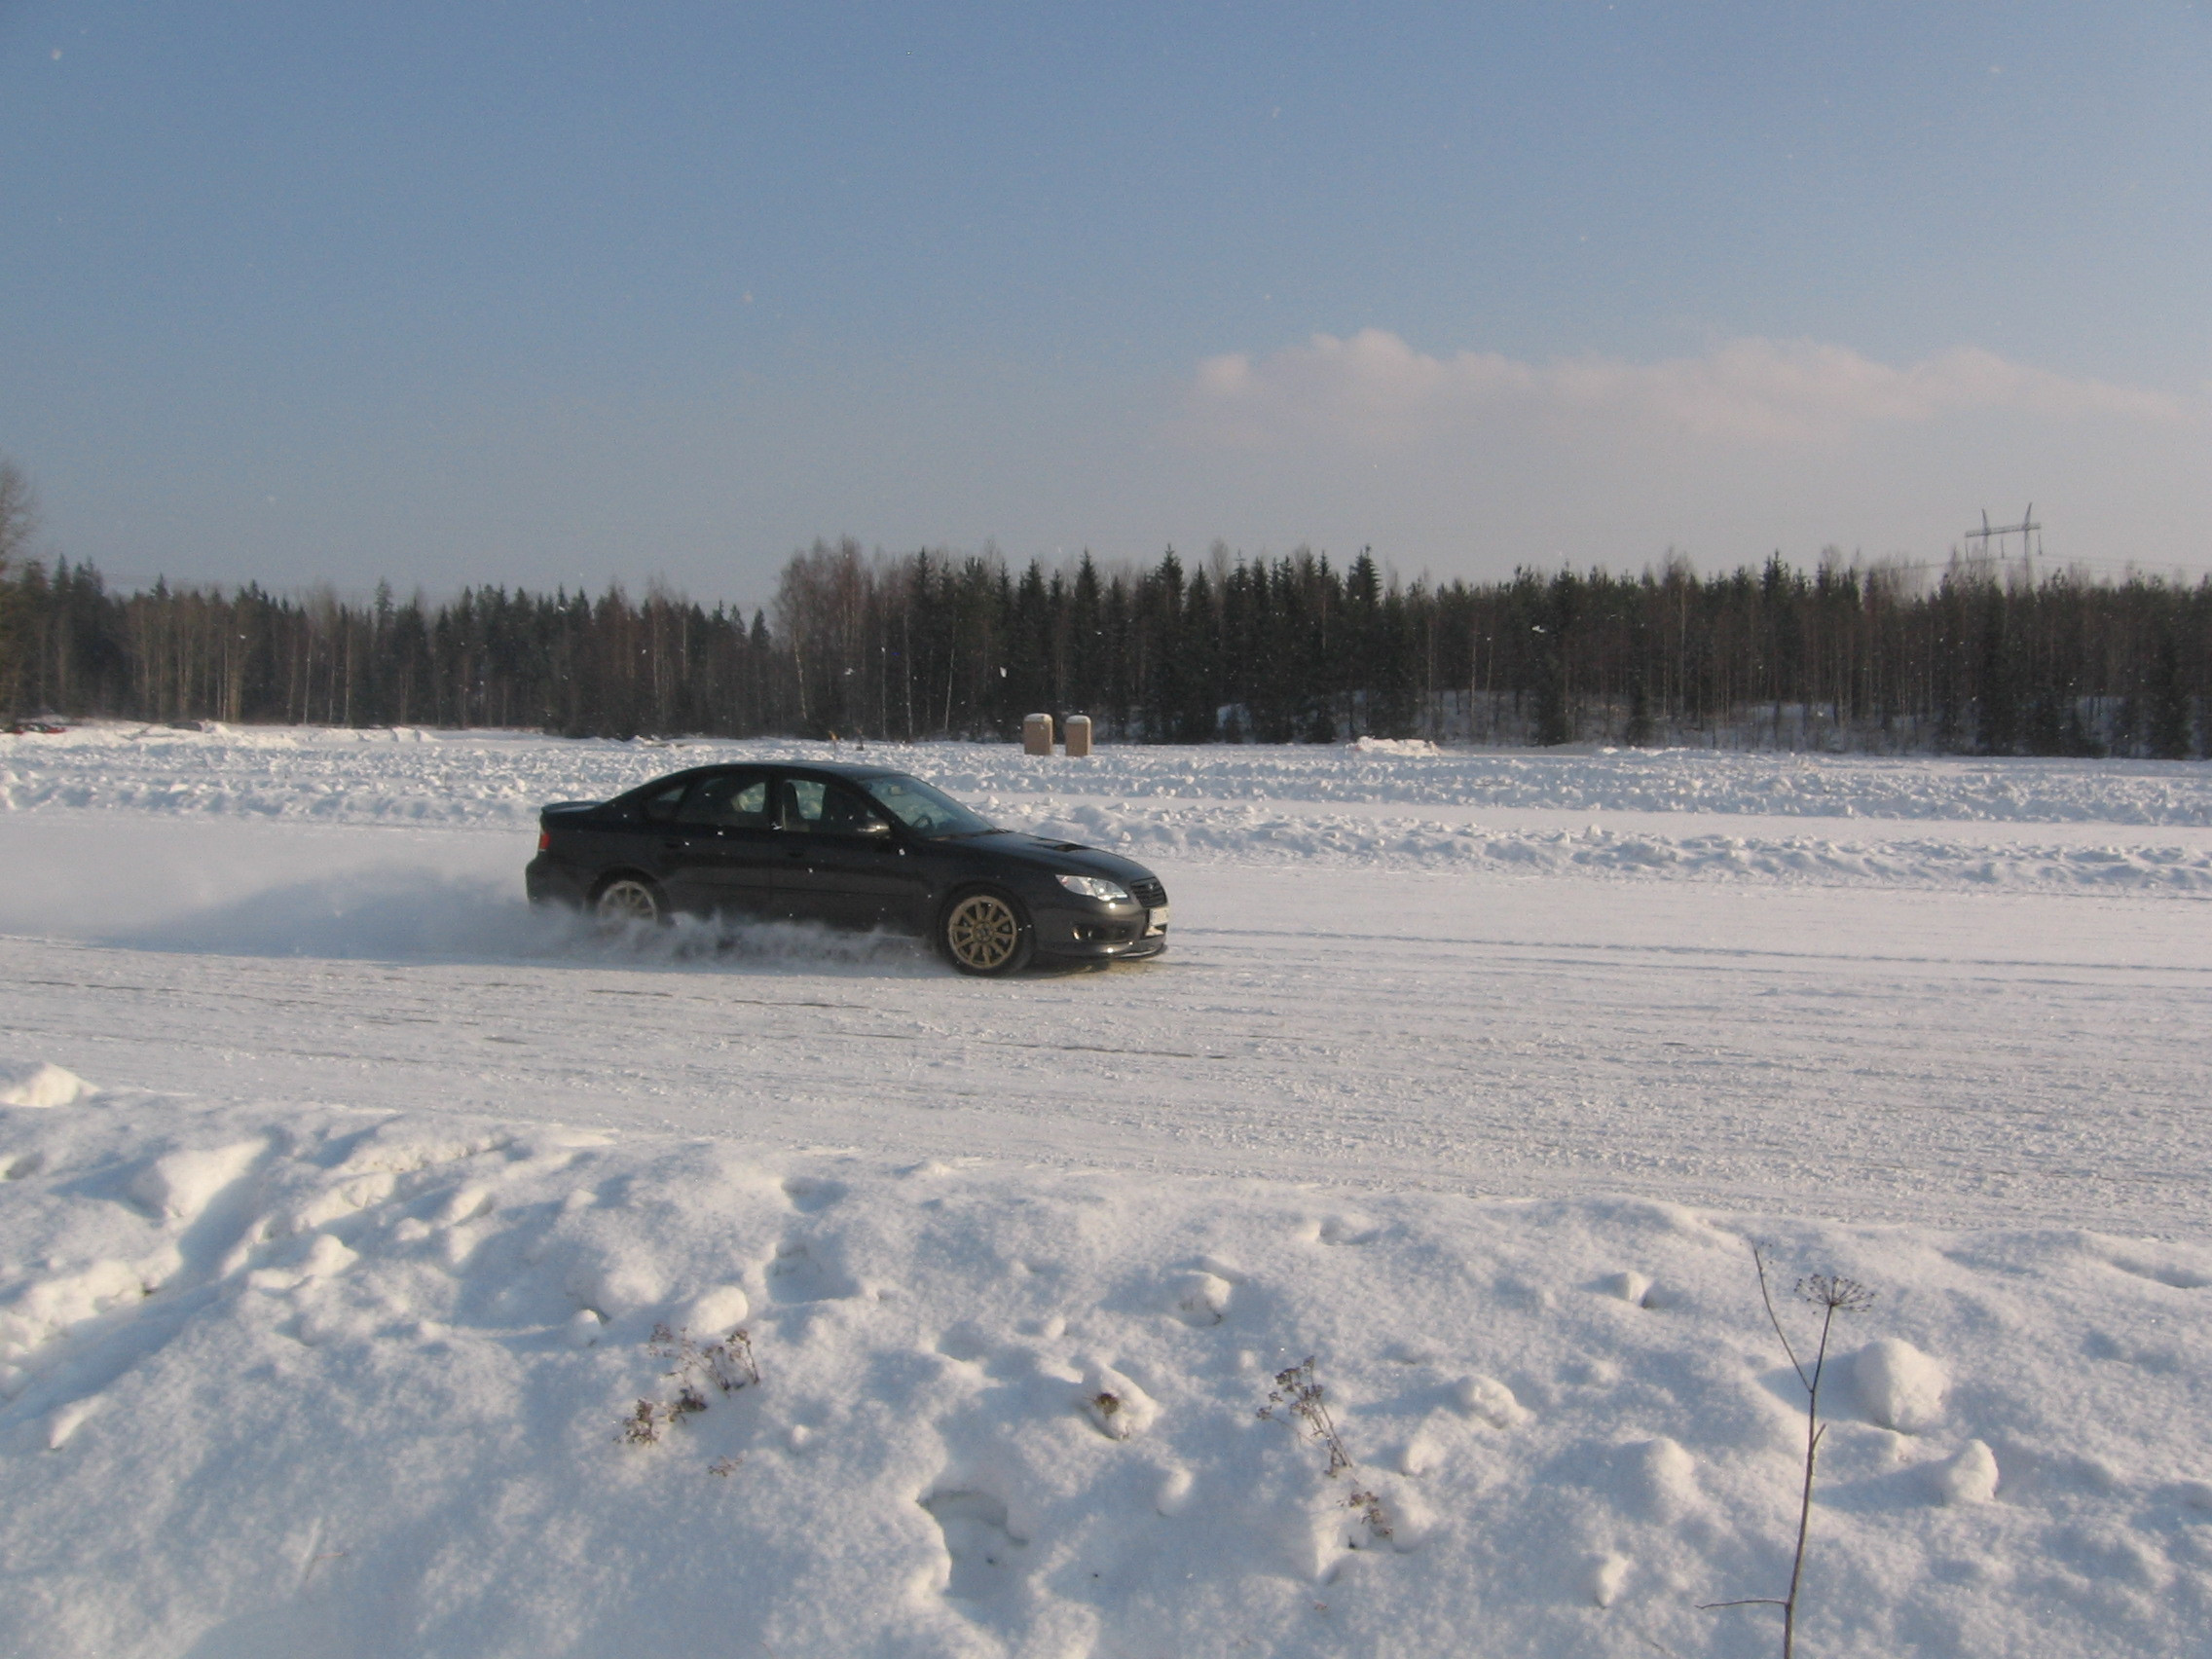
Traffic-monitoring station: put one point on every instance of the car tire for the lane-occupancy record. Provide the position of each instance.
(986, 932)
(628, 901)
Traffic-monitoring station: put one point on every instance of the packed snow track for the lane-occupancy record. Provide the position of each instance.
(1975, 1018)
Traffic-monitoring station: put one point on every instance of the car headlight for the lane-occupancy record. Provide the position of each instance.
(1095, 887)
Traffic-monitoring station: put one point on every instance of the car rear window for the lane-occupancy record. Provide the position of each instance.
(660, 806)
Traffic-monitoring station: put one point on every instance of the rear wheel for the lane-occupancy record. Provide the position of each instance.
(628, 901)
(986, 932)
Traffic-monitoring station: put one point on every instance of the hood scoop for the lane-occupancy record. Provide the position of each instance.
(1056, 846)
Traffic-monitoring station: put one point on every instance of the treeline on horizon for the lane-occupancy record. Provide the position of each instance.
(1978, 659)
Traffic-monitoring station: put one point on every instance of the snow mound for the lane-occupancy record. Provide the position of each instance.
(182, 1184)
(1898, 1387)
(1392, 745)
(1118, 1406)
(1491, 1400)
(70, 1295)
(1970, 1477)
(715, 1310)
(39, 1084)
(495, 1388)
(1607, 1574)
(1659, 1478)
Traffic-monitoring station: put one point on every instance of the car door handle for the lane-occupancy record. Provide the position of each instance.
(672, 846)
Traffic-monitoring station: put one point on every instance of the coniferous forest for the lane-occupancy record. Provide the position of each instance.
(1977, 658)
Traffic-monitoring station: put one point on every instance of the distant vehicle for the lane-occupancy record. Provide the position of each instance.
(850, 846)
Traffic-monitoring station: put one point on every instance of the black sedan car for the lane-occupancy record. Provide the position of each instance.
(850, 846)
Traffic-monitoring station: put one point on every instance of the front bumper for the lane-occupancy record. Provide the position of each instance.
(1096, 933)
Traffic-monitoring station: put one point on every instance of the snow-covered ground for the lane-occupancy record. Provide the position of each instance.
(323, 1305)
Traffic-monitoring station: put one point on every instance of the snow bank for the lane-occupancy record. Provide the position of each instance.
(1673, 816)
(289, 1380)
(1252, 834)
(494, 778)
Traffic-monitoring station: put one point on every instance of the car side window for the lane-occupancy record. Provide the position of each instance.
(845, 812)
(728, 800)
(811, 806)
(801, 804)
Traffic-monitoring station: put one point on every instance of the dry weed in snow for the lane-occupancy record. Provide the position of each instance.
(1299, 1397)
(726, 1363)
(1832, 1294)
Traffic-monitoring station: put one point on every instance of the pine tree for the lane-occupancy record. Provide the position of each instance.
(2167, 704)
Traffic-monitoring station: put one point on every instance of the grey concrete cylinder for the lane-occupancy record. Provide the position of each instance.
(1037, 734)
(1079, 735)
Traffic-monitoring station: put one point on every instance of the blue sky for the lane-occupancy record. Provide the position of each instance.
(563, 292)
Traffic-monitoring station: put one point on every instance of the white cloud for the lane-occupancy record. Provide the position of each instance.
(1375, 390)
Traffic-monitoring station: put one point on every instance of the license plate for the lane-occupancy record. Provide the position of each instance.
(1156, 921)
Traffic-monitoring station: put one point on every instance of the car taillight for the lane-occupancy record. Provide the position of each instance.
(545, 840)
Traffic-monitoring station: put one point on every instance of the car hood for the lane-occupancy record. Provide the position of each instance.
(1042, 852)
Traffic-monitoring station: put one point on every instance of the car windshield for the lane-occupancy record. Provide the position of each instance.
(925, 811)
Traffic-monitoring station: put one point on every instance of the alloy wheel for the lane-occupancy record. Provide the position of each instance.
(625, 902)
(982, 933)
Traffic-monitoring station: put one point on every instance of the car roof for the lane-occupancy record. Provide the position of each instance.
(838, 768)
(825, 768)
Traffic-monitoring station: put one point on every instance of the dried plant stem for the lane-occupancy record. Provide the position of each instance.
(1832, 1294)
(1300, 1395)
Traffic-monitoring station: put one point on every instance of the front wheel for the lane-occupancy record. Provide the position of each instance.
(986, 932)
(628, 901)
